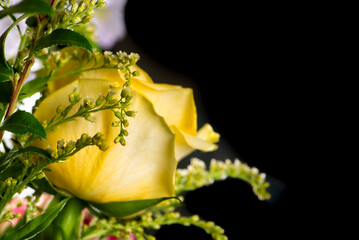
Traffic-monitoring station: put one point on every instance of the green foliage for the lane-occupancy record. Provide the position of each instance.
(36, 225)
(62, 37)
(29, 6)
(22, 122)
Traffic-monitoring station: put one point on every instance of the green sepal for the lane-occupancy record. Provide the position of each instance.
(63, 37)
(123, 209)
(22, 122)
(29, 6)
(36, 225)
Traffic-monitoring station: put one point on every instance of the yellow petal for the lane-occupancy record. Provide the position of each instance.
(204, 141)
(174, 103)
(143, 169)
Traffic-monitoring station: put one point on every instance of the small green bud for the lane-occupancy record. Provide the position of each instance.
(84, 138)
(125, 91)
(110, 95)
(100, 100)
(74, 7)
(89, 117)
(16, 77)
(24, 161)
(60, 144)
(65, 17)
(129, 97)
(50, 150)
(82, 6)
(69, 147)
(8, 182)
(13, 182)
(91, 12)
(89, 103)
(124, 132)
(102, 4)
(76, 20)
(44, 123)
(86, 19)
(104, 146)
(118, 114)
(115, 124)
(54, 154)
(120, 139)
(135, 73)
(59, 109)
(125, 123)
(75, 97)
(130, 113)
(134, 57)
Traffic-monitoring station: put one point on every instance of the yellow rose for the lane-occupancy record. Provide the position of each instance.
(163, 131)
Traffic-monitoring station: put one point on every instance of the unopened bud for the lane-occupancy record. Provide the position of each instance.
(59, 109)
(89, 117)
(125, 123)
(118, 114)
(130, 113)
(89, 103)
(82, 7)
(125, 91)
(115, 124)
(124, 132)
(120, 139)
(74, 7)
(69, 147)
(76, 20)
(100, 100)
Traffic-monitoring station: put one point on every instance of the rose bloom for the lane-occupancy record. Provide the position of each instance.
(163, 131)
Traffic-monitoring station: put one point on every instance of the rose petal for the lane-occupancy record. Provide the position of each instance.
(143, 169)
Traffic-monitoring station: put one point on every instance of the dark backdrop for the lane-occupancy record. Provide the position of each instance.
(249, 66)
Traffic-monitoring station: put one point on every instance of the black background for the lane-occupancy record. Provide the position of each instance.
(252, 73)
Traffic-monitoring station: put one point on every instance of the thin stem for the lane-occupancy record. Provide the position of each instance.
(18, 85)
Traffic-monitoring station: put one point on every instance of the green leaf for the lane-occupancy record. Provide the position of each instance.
(12, 171)
(5, 92)
(22, 122)
(123, 209)
(63, 37)
(36, 225)
(6, 72)
(29, 6)
(32, 87)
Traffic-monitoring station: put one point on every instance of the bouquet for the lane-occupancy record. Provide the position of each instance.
(99, 150)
